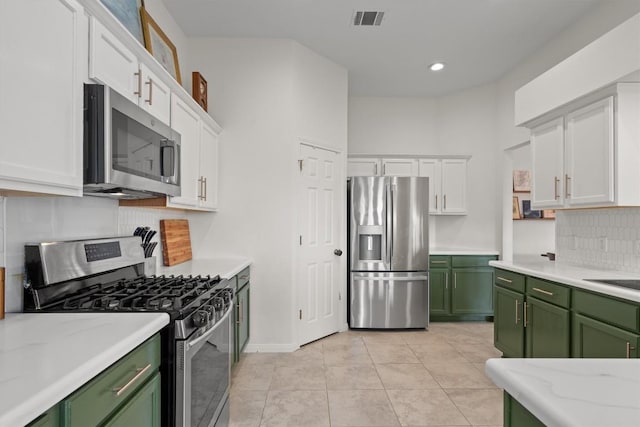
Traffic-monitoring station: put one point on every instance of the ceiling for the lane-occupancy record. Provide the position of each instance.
(479, 40)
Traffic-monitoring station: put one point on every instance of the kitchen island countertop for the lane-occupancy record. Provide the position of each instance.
(572, 275)
(573, 392)
(44, 357)
(226, 267)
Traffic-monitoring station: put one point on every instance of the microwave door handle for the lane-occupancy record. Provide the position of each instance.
(168, 161)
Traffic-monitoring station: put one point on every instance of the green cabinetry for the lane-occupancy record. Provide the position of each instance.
(516, 415)
(460, 287)
(531, 317)
(593, 338)
(123, 395)
(241, 330)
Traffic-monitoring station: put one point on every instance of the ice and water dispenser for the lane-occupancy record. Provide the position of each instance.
(370, 242)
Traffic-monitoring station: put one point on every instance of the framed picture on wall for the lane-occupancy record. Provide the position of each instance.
(516, 208)
(527, 212)
(159, 45)
(128, 13)
(199, 89)
(521, 181)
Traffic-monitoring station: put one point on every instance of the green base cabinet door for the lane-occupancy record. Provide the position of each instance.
(508, 329)
(594, 339)
(472, 291)
(51, 418)
(439, 291)
(242, 321)
(547, 330)
(516, 415)
(142, 410)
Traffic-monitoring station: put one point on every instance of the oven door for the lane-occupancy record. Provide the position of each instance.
(202, 376)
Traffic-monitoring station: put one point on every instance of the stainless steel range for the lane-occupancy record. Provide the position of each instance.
(108, 275)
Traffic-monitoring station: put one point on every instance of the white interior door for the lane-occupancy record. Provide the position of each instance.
(319, 266)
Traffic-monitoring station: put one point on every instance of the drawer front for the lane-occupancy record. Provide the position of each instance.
(509, 280)
(439, 261)
(97, 399)
(614, 312)
(472, 260)
(243, 277)
(549, 292)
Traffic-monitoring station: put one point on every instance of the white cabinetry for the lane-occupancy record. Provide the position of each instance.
(199, 159)
(399, 167)
(447, 185)
(363, 167)
(586, 154)
(113, 64)
(42, 67)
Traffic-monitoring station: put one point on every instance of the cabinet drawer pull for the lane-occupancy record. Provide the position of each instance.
(556, 181)
(542, 291)
(204, 193)
(446, 281)
(629, 348)
(150, 100)
(455, 280)
(436, 202)
(444, 202)
(140, 372)
(517, 318)
(438, 262)
(502, 279)
(525, 314)
(567, 178)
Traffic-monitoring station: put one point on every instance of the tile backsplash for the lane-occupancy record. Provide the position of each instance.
(600, 238)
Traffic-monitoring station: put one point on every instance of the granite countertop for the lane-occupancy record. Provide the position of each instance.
(461, 251)
(573, 392)
(46, 356)
(226, 267)
(572, 275)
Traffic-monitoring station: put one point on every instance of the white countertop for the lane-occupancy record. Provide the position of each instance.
(461, 251)
(46, 356)
(226, 267)
(573, 392)
(572, 275)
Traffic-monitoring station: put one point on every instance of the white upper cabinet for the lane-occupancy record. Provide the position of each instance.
(587, 155)
(454, 187)
(199, 159)
(589, 148)
(208, 180)
(363, 167)
(113, 64)
(42, 68)
(447, 185)
(187, 123)
(547, 151)
(399, 167)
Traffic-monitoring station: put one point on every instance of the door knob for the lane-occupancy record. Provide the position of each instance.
(337, 252)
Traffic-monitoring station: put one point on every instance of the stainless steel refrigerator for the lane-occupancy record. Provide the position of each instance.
(389, 252)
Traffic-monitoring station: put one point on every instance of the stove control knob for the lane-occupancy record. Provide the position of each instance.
(199, 318)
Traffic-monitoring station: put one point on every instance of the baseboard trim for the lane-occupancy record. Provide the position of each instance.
(270, 348)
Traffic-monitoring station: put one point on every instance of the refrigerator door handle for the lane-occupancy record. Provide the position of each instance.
(388, 224)
(393, 279)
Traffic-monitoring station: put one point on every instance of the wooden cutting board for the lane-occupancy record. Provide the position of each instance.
(176, 242)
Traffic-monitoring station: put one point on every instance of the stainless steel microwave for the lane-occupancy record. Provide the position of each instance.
(128, 153)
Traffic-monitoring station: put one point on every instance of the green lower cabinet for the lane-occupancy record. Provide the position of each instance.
(51, 418)
(547, 329)
(439, 292)
(472, 291)
(508, 327)
(516, 415)
(142, 410)
(594, 339)
(242, 320)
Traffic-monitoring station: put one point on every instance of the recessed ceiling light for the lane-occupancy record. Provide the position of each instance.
(436, 66)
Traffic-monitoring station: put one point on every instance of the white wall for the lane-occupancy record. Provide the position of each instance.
(459, 124)
(265, 94)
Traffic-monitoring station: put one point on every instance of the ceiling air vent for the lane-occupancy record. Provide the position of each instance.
(368, 18)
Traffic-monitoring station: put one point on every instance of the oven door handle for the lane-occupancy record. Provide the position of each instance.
(208, 333)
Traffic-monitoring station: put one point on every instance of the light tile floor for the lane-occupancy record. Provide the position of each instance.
(370, 378)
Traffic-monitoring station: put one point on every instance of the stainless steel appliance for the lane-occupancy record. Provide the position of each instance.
(108, 275)
(128, 154)
(389, 252)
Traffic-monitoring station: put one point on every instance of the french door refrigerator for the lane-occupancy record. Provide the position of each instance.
(389, 252)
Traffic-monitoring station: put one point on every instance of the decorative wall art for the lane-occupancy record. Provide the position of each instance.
(527, 212)
(128, 13)
(199, 89)
(516, 208)
(159, 45)
(521, 181)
